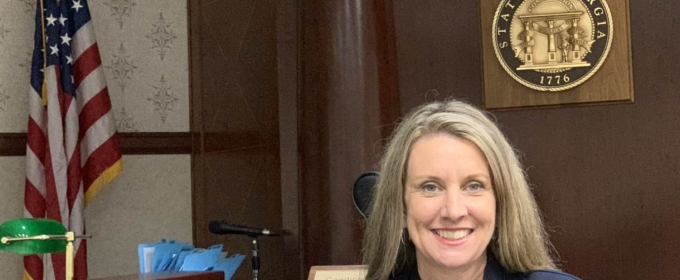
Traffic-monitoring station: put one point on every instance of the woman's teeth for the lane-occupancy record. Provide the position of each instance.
(453, 234)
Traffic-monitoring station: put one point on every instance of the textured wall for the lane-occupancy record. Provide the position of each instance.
(16, 46)
(145, 52)
(149, 201)
(12, 177)
(143, 45)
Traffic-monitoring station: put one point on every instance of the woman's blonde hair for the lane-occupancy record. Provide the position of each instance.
(520, 243)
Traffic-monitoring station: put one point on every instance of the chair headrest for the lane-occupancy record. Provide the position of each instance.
(362, 192)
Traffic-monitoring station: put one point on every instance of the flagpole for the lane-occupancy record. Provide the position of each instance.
(43, 92)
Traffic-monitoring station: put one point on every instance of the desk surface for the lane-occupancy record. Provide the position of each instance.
(212, 275)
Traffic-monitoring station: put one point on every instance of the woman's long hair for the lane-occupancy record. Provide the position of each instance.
(521, 243)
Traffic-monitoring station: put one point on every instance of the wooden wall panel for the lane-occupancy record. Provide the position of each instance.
(605, 176)
(438, 51)
(348, 92)
(235, 110)
(287, 26)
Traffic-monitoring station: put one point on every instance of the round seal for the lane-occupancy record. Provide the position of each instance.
(552, 45)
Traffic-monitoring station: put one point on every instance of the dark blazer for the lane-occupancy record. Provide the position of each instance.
(494, 271)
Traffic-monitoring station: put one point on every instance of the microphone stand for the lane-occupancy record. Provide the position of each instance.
(218, 227)
(255, 259)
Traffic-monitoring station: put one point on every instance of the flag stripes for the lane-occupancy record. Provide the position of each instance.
(72, 148)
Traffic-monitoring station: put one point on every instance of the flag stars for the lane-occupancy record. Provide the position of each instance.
(62, 20)
(55, 49)
(50, 20)
(76, 5)
(65, 39)
(69, 60)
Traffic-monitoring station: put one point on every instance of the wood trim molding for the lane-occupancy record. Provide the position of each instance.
(156, 143)
(12, 144)
(134, 143)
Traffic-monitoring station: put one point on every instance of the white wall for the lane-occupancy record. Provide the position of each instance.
(149, 201)
(143, 44)
(12, 178)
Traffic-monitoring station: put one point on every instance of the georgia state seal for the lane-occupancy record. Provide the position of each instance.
(552, 45)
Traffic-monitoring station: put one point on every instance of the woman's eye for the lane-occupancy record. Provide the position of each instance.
(475, 186)
(429, 187)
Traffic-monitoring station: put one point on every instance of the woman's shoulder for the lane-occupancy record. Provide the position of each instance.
(494, 271)
(534, 275)
(550, 275)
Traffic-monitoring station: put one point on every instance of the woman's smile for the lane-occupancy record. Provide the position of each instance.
(452, 234)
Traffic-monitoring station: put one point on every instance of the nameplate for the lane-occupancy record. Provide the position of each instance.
(338, 272)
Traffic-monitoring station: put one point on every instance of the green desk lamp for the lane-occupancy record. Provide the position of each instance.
(31, 236)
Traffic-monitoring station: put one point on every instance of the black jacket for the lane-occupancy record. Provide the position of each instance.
(494, 271)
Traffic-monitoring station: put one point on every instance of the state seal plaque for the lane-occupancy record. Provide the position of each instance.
(552, 45)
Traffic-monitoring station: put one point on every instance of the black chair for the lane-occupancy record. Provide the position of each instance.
(362, 192)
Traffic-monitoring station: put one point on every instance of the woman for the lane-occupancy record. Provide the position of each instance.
(452, 203)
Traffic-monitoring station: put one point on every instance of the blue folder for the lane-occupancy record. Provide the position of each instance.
(178, 256)
(229, 265)
(202, 260)
(160, 255)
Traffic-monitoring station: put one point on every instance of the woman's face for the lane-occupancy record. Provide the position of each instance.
(450, 204)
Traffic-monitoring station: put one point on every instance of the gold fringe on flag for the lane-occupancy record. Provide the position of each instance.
(27, 276)
(102, 180)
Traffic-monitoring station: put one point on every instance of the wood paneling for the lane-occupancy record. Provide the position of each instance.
(236, 170)
(343, 82)
(438, 51)
(156, 143)
(287, 26)
(12, 144)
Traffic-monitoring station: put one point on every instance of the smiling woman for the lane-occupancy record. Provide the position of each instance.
(452, 202)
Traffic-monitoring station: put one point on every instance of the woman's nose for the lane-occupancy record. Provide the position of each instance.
(454, 207)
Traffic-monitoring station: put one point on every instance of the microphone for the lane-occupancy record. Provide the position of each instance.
(223, 227)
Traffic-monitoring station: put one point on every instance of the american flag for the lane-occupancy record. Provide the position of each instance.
(73, 149)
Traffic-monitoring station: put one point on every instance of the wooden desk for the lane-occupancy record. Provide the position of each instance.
(212, 275)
